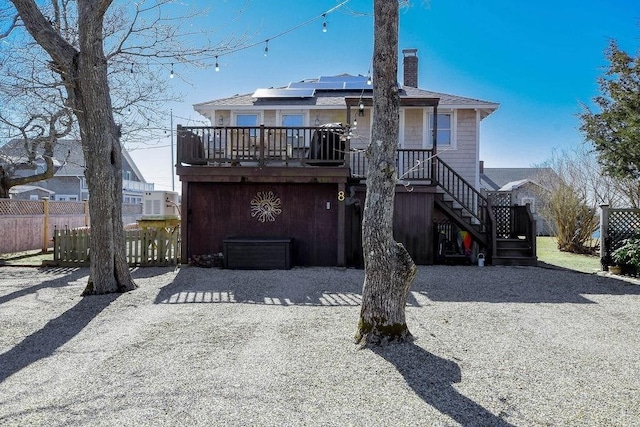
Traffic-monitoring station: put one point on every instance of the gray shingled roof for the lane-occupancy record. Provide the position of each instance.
(66, 152)
(499, 177)
(333, 98)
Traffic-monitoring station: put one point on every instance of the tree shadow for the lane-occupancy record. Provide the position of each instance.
(432, 378)
(327, 286)
(71, 274)
(516, 285)
(311, 286)
(53, 335)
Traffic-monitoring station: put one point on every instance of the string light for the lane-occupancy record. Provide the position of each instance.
(132, 68)
(369, 80)
(283, 33)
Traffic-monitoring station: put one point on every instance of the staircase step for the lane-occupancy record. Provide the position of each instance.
(515, 260)
(513, 244)
(513, 253)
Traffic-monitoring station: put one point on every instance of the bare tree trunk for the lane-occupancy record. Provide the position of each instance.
(84, 71)
(101, 141)
(389, 269)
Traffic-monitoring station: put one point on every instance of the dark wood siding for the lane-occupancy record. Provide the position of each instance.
(412, 225)
(219, 211)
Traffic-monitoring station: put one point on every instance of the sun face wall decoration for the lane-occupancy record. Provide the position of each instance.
(265, 206)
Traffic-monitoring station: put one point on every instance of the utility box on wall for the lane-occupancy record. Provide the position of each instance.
(160, 205)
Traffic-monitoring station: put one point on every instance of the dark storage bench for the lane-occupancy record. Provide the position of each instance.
(257, 253)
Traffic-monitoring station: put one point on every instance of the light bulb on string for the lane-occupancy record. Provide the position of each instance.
(217, 66)
(266, 47)
(324, 22)
(369, 80)
(171, 74)
(132, 68)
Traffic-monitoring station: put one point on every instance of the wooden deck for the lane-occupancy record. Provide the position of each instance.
(299, 152)
(319, 178)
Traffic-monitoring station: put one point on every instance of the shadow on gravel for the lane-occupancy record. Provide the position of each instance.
(516, 284)
(59, 282)
(298, 286)
(431, 378)
(53, 335)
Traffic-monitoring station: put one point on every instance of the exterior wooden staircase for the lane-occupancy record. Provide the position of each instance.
(506, 234)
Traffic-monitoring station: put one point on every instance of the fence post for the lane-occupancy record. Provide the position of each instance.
(45, 227)
(86, 213)
(605, 256)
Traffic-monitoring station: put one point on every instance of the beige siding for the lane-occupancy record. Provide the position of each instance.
(361, 135)
(413, 128)
(463, 159)
(269, 118)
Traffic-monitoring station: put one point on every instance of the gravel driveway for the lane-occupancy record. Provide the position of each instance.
(500, 346)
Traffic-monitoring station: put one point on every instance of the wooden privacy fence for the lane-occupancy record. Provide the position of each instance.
(144, 246)
(29, 224)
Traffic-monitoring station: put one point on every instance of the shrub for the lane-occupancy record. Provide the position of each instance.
(628, 255)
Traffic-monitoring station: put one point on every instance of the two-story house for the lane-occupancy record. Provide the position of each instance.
(289, 164)
(68, 182)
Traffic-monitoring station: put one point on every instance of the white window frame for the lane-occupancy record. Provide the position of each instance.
(258, 114)
(304, 113)
(291, 141)
(427, 141)
(259, 119)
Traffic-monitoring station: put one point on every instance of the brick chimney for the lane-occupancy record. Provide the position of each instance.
(410, 67)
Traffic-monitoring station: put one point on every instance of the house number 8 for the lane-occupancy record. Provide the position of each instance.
(341, 196)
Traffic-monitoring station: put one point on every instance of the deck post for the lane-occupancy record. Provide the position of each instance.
(261, 143)
(434, 152)
(341, 261)
(45, 226)
(185, 218)
(605, 242)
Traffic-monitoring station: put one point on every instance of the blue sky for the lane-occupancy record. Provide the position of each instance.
(538, 60)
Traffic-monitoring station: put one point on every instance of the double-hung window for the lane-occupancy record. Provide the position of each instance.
(295, 137)
(445, 130)
(247, 120)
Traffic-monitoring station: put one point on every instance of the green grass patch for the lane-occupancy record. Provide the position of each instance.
(548, 253)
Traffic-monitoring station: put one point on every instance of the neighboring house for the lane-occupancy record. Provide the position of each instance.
(289, 163)
(30, 192)
(520, 186)
(68, 182)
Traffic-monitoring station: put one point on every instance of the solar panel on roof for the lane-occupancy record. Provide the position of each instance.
(284, 93)
(314, 85)
(358, 85)
(345, 78)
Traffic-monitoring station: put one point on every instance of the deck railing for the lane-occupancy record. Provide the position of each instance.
(463, 193)
(412, 164)
(262, 145)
